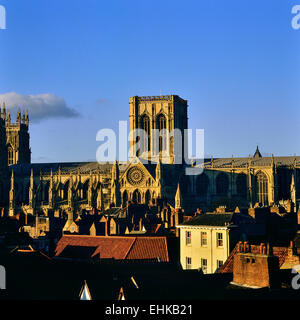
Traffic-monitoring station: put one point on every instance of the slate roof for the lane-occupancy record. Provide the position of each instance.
(118, 248)
(242, 162)
(115, 212)
(65, 167)
(210, 219)
(168, 169)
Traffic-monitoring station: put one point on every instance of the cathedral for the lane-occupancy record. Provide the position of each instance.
(37, 188)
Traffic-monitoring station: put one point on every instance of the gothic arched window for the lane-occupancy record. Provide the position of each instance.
(284, 183)
(85, 189)
(184, 184)
(147, 138)
(241, 185)
(10, 155)
(26, 193)
(66, 188)
(46, 191)
(17, 193)
(161, 126)
(222, 184)
(147, 197)
(202, 183)
(136, 196)
(125, 198)
(261, 188)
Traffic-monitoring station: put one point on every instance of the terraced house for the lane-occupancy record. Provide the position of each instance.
(205, 241)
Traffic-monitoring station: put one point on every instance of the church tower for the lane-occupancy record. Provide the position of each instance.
(162, 114)
(3, 148)
(17, 137)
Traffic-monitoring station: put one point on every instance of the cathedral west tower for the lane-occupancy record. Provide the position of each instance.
(17, 137)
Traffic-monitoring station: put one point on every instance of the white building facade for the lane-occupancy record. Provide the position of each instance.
(204, 245)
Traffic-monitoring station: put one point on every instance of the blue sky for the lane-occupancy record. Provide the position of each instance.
(236, 62)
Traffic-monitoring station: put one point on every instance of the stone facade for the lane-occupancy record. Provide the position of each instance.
(17, 137)
(158, 113)
(29, 188)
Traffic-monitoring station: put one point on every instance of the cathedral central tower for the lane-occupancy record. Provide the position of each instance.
(162, 114)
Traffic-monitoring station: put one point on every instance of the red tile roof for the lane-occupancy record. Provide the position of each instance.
(118, 248)
(227, 267)
(149, 248)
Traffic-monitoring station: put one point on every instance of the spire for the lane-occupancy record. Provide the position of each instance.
(8, 117)
(90, 191)
(70, 193)
(51, 190)
(19, 116)
(115, 171)
(27, 118)
(257, 154)
(31, 191)
(293, 190)
(31, 179)
(12, 195)
(4, 112)
(100, 198)
(158, 171)
(272, 161)
(249, 161)
(23, 117)
(12, 179)
(115, 187)
(178, 198)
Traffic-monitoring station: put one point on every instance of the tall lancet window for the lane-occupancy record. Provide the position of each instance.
(261, 188)
(161, 125)
(147, 138)
(10, 154)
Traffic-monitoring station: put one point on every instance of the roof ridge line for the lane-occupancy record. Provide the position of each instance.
(127, 253)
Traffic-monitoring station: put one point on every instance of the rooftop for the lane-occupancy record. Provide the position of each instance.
(159, 98)
(243, 162)
(115, 247)
(210, 219)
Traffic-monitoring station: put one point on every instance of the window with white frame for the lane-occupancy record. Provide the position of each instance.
(188, 237)
(219, 239)
(219, 264)
(203, 239)
(188, 262)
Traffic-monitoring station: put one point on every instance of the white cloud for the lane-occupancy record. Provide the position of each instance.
(40, 106)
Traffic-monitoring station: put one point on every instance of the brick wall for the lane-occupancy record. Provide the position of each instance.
(255, 269)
